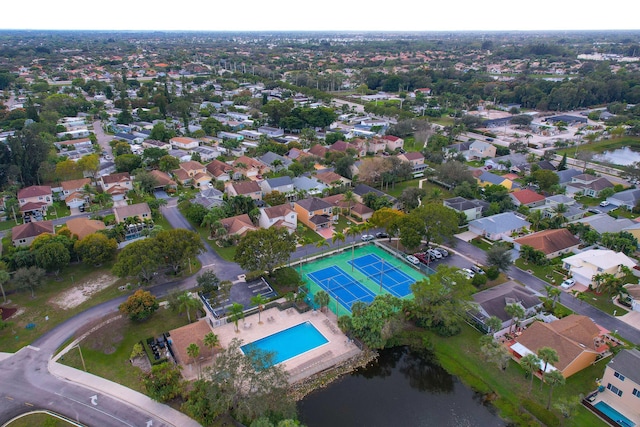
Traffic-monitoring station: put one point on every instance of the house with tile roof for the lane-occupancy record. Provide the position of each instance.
(244, 188)
(587, 185)
(313, 212)
(152, 143)
(332, 179)
(576, 339)
(393, 142)
(472, 209)
(35, 200)
(492, 302)
(162, 180)
(219, 170)
(318, 150)
(248, 167)
(139, 211)
(585, 265)
(25, 234)
(279, 216)
(358, 209)
(552, 243)
(498, 226)
(621, 380)
(82, 227)
(192, 173)
(184, 142)
(238, 225)
(122, 180)
(527, 197)
(416, 159)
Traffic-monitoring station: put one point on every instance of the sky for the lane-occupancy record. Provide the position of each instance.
(324, 15)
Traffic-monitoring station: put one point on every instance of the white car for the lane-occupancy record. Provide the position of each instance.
(367, 237)
(604, 203)
(567, 283)
(413, 260)
(434, 254)
(468, 273)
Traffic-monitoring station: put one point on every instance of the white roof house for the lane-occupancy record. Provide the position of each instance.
(585, 265)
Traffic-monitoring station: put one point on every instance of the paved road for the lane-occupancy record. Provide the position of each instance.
(103, 138)
(625, 330)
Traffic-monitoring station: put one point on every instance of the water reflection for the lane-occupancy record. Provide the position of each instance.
(402, 388)
(621, 156)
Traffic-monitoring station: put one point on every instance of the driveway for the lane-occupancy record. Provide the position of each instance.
(467, 236)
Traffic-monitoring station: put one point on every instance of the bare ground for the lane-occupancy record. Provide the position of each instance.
(83, 291)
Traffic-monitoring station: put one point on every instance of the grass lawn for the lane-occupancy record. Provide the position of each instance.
(603, 302)
(58, 210)
(601, 146)
(36, 310)
(8, 224)
(397, 190)
(460, 355)
(39, 419)
(548, 273)
(106, 352)
(481, 243)
(623, 213)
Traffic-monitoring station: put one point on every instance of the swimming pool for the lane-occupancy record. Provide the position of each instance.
(613, 414)
(290, 342)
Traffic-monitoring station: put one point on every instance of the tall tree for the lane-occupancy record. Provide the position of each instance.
(96, 248)
(439, 224)
(549, 356)
(141, 258)
(259, 301)
(265, 249)
(177, 246)
(531, 365)
(211, 340)
(553, 379)
(516, 312)
(193, 351)
(164, 383)
(29, 278)
(499, 256)
(28, 152)
(236, 313)
(185, 302)
(139, 306)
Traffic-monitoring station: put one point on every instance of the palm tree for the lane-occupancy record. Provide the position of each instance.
(322, 299)
(535, 217)
(553, 378)
(186, 302)
(493, 324)
(322, 243)
(236, 312)
(547, 355)
(260, 301)
(350, 199)
(515, 311)
(354, 230)
(338, 237)
(559, 210)
(194, 351)
(211, 340)
(531, 364)
(553, 293)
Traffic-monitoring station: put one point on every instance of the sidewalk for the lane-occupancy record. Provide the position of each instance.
(122, 393)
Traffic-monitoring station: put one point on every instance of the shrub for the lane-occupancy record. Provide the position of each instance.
(492, 273)
(479, 280)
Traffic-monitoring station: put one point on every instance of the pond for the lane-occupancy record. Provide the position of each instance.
(621, 156)
(403, 387)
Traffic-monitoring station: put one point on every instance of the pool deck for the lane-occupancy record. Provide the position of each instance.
(273, 320)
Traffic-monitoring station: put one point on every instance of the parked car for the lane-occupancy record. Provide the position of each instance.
(567, 283)
(442, 251)
(594, 211)
(423, 257)
(434, 254)
(381, 235)
(604, 203)
(477, 269)
(468, 273)
(413, 260)
(367, 237)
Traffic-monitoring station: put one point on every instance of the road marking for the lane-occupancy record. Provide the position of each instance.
(33, 348)
(95, 409)
(208, 265)
(94, 400)
(8, 397)
(28, 404)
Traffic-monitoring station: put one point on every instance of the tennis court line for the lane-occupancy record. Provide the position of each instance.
(386, 276)
(347, 284)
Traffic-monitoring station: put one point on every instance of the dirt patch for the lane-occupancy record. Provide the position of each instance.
(142, 362)
(7, 312)
(83, 291)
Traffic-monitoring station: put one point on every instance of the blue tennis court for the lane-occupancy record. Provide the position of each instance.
(341, 286)
(382, 272)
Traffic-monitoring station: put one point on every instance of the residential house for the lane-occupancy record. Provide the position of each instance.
(480, 150)
(499, 226)
(152, 143)
(587, 185)
(493, 301)
(633, 292)
(393, 142)
(376, 145)
(238, 225)
(279, 216)
(361, 190)
(283, 184)
(573, 211)
(117, 185)
(332, 179)
(356, 209)
(313, 212)
(129, 138)
(162, 180)
(184, 143)
(181, 155)
(275, 162)
(473, 209)
(209, 197)
(296, 154)
(526, 197)
(621, 379)
(220, 171)
(565, 176)
(74, 185)
(585, 265)
(244, 188)
(35, 200)
(271, 132)
(74, 144)
(552, 243)
(303, 185)
(343, 146)
(488, 178)
(318, 150)
(192, 173)
(249, 168)
(139, 211)
(604, 223)
(628, 199)
(576, 339)
(416, 159)
(82, 227)
(24, 234)
(206, 153)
